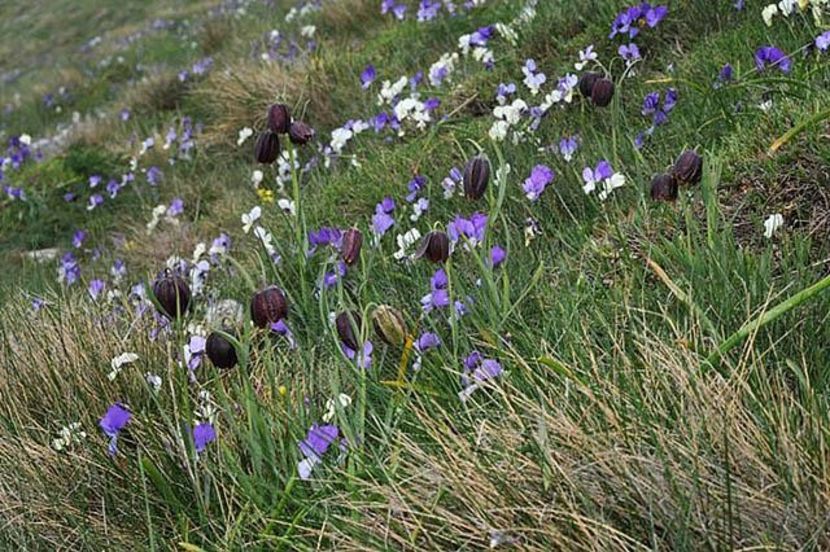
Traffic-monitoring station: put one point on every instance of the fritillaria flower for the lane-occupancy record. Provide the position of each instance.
(172, 293)
(435, 247)
(220, 351)
(664, 188)
(268, 306)
(688, 169)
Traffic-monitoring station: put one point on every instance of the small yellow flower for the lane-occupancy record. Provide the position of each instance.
(282, 390)
(265, 195)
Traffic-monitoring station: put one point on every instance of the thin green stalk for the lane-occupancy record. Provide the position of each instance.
(782, 308)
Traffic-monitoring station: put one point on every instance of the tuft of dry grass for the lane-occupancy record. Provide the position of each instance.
(238, 96)
(700, 470)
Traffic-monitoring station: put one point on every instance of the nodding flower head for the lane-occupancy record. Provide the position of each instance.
(351, 244)
(348, 328)
(267, 147)
(435, 247)
(389, 325)
(300, 133)
(586, 83)
(172, 294)
(688, 169)
(279, 118)
(664, 188)
(476, 177)
(268, 306)
(220, 351)
(602, 92)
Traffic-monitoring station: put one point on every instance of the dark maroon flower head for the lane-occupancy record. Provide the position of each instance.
(268, 306)
(476, 177)
(172, 294)
(267, 147)
(602, 92)
(351, 244)
(435, 247)
(664, 188)
(688, 169)
(300, 133)
(586, 83)
(220, 351)
(279, 118)
(348, 328)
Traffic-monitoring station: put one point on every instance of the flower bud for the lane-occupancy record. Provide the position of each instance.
(664, 188)
(279, 118)
(220, 351)
(389, 325)
(300, 133)
(586, 83)
(348, 323)
(351, 244)
(267, 147)
(268, 306)
(435, 247)
(476, 177)
(172, 293)
(688, 169)
(602, 92)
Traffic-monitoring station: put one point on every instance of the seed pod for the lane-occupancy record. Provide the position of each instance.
(268, 306)
(476, 177)
(279, 118)
(688, 169)
(220, 351)
(300, 133)
(664, 188)
(267, 147)
(172, 293)
(350, 248)
(389, 325)
(586, 83)
(602, 92)
(347, 323)
(435, 247)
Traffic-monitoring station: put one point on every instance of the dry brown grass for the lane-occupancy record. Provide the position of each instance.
(239, 96)
(699, 471)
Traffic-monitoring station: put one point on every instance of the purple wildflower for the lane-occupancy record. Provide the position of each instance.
(367, 77)
(203, 435)
(114, 420)
(770, 56)
(540, 177)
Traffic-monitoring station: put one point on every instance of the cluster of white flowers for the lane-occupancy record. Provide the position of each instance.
(331, 407)
(199, 268)
(788, 7)
(405, 243)
(69, 435)
(390, 90)
(772, 224)
(507, 116)
(304, 11)
(206, 410)
(442, 69)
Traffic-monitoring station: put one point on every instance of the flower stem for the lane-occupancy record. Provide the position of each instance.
(782, 308)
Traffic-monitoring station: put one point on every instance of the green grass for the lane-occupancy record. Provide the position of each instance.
(614, 425)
